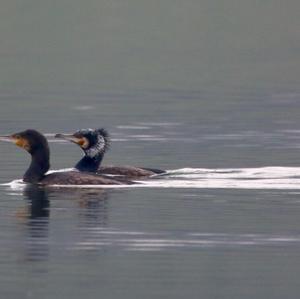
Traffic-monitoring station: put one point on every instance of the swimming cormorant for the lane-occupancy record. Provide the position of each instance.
(37, 146)
(94, 143)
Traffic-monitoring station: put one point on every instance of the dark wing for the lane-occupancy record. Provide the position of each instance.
(154, 170)
(80, 178)
(128, 171)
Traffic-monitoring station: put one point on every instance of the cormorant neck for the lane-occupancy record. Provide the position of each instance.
(89, 164)
(38, 167)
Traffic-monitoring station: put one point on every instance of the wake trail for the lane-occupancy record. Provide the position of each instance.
(200, 178)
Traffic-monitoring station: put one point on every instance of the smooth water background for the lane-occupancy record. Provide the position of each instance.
(179, 84)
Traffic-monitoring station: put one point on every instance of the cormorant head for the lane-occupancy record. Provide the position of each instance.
(31, 140)
(92, 141)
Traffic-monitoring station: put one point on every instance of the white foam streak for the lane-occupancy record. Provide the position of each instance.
(226, 184)
(16, 185)
(253, 173)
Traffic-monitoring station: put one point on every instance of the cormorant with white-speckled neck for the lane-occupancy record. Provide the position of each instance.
(94, 143)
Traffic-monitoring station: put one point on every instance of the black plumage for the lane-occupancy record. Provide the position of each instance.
(37, 146)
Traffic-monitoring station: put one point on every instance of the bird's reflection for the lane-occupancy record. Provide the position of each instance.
(87, 208)
(91, 205)
(37, 198)
(93, 208)
(38, 222)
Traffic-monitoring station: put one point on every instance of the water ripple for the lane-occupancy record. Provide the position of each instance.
(127, 240)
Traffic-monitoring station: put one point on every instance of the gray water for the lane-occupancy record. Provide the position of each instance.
(206, 89)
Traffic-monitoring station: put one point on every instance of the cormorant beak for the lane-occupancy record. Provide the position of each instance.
(7, 138)
(19, 141)
(70, 137)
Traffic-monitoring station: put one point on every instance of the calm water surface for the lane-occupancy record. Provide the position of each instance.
(207, 90)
